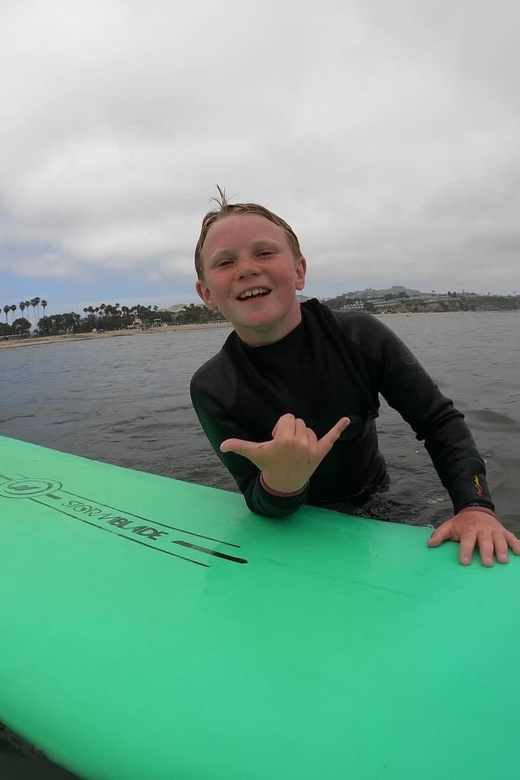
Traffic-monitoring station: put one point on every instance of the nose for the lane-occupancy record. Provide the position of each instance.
(247, 265)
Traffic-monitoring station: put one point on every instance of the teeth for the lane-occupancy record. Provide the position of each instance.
(250, 293)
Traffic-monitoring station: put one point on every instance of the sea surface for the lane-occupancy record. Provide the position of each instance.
(126, 401)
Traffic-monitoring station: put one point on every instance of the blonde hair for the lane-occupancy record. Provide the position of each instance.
(225, 209)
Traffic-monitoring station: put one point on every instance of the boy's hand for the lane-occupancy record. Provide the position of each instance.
(481, 529)
(289, 460)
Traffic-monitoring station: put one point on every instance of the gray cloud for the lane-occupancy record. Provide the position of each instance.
(385, 133)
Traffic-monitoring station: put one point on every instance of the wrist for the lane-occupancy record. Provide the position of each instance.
(281, 493)
(477, 509)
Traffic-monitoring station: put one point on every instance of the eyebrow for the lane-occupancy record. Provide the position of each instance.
(263, 241)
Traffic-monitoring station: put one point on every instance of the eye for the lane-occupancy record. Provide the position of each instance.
(225, 261)
(265, 252)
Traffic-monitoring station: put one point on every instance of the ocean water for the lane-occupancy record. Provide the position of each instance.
(126, 401)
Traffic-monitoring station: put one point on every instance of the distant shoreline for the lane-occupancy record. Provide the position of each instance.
(42, 340)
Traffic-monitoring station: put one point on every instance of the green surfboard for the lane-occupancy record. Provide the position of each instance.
(156, 629)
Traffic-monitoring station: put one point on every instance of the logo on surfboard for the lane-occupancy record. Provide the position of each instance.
(152, 534)
(28, 488)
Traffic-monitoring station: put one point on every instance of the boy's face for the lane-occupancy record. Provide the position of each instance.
(246, 252)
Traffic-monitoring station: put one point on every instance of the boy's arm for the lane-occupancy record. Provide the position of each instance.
(409, 389)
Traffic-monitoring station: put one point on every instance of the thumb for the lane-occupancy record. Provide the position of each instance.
(326, 442)
(440, 535)
(240, 446)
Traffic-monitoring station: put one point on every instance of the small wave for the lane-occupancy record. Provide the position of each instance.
(489, 418)
(16, 417)
(65, 422)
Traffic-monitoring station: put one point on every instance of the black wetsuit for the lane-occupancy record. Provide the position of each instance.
(333, 365)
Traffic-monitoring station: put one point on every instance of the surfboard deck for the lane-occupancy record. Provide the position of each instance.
(152, 628)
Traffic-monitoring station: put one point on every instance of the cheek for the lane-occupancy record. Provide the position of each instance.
(289, 280)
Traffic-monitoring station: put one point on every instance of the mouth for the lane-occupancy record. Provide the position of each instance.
(254, 294)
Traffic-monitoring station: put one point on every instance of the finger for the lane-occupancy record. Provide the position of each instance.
(333, 435)
(240, 446)
(301, 430)
(312, 439)
(467, 545)
(486, 546)
(500, 542)
(286, 424)
(440, 535)
(513, 542)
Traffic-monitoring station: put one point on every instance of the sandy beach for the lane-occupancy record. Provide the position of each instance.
(37, 341)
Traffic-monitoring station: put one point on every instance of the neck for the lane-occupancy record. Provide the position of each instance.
(272, 332)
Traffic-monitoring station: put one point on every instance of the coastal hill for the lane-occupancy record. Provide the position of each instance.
(401, 300)
(397, 289)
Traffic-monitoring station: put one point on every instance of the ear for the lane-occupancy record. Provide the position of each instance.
(301, 270)
(205, 294)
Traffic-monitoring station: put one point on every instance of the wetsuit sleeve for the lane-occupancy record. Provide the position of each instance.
(409, 389)
(218, 426)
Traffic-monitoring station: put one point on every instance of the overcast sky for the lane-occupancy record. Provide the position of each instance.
(386, 132)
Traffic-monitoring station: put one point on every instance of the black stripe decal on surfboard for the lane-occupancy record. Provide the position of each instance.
(136, 528)
(155, 522)
(137, 541)
(210, 552)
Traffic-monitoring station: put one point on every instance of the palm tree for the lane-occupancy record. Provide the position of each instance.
(13, 309)
(7, 309)
(44, 305)
(22, 306)
(33, 303)
(37, 302)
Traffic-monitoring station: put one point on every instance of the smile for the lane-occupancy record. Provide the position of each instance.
(257, 292)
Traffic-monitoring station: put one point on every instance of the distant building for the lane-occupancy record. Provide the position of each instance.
(136, 324)
(176, 307)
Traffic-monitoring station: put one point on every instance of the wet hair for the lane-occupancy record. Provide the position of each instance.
(225, 209)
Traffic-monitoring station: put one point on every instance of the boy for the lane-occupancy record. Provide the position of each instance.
(290, 401)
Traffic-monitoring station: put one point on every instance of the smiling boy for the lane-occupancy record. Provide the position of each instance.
(289, 403)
